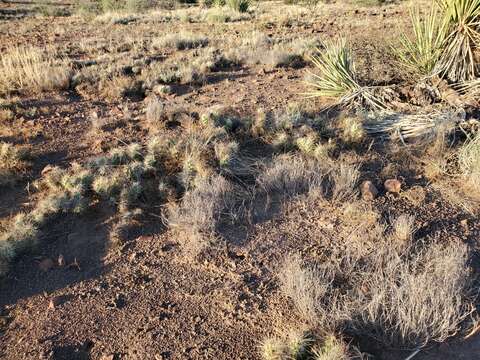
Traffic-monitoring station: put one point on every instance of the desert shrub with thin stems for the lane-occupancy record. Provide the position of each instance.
(461, 24)
(337, 77)
(201, 211)
(397, 295)
(290, 176)
(32, 69)
(469, 161)
(421, 54)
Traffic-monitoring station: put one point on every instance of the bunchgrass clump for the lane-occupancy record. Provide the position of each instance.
(389, 291)
(201, 211)
(288, 176)
(181, 41)
(13, 161)
(32, 69)
(20, 235)
(238, 5)
(469, 161)
(331, 348)
(119, 177)
(344, 178)
(403, 228)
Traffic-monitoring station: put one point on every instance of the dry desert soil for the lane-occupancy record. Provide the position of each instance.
(117, 281)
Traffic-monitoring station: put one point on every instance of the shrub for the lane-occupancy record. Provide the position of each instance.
(201, 211)
(397, 295)
(469, 160)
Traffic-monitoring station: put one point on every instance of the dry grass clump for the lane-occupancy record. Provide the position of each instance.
(403, 227)
(458, 195)
(185, 70)
(223, 15)
(238, 5)
(397, 295)
(20, 235)
(154, 113)
(291, 175)
(118, 87)
(469, 161)
(32, 69)
(202, 210)
(180, 41)
(294, 344)
(345, 178)
(455, 174)
(13, 160)
(352, 130)
(332, 348)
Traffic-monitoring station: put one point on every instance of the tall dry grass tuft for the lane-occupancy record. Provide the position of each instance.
(202, 210)
(32, 69)
(396, 295)
(469, 161)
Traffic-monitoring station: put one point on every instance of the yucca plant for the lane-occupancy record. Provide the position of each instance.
(461, 24)
(337, 78)
(421, 54)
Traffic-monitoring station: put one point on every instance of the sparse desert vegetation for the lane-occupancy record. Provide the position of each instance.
(225, 179)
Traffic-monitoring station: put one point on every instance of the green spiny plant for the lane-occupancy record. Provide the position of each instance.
(461, 23)
(337, 77)
(421, 54)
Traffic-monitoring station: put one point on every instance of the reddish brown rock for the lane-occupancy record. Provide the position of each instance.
(368, 190)
(393, 186)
